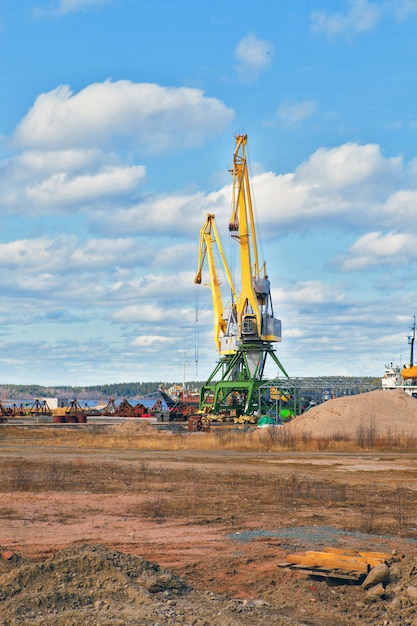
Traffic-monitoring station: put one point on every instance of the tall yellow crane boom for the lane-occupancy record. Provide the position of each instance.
(241, 196)
(254, 305)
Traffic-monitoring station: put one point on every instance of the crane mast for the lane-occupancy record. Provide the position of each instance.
(245, 331)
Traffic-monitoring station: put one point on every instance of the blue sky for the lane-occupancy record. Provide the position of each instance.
(117, 129)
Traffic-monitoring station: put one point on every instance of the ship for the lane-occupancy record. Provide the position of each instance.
(181, 401)
(405, 377)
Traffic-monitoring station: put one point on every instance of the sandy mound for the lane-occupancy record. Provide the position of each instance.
(133, 427)
(390, 413)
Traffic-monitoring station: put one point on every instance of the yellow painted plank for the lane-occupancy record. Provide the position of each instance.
(329, 561)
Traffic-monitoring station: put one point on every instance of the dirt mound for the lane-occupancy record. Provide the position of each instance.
(389, 413)
(136, 426)
(91, 585)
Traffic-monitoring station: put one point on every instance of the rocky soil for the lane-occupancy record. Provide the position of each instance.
(118, 536)
(91, 584)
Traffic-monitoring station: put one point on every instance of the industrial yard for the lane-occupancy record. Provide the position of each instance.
(246, 501)
(192, 514)
(125, 523)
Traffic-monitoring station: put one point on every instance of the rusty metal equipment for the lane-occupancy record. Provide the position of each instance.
(124, 409)
(4, 411)
(198, 423)
(110, 408)
(157, 407)
(40, 407)
(74, 413)
(18, 410)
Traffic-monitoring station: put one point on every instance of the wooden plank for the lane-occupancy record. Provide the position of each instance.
(339, 558)
(372, 555)
(357, 566)
(341, 551)
(326, 559)
(332, 561)
(376, 555)
(331, 574)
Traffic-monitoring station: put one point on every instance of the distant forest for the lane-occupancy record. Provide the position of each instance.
(115, 390)
(119, 390)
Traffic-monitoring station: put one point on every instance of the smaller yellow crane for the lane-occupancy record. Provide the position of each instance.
(224, 333)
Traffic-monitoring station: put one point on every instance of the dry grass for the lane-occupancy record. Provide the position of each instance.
(213, 495)
(273, 439)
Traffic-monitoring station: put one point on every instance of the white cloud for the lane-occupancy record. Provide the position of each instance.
(41, 162)
(154, 314)
(61, 189)
(294, 113)
(360, 17)
(172, 215)
(311, 292)
(402, 8)
(69, 163)
(39, 182)
(253, 56)
(146, 115)
(65, 254)
(377, 249)
(399, 208)
(63, 7)
(163, 287)
(152, 341)
(348, 166)
(348, 186)
(339, 186)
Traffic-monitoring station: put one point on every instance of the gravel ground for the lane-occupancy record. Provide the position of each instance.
(318, 537)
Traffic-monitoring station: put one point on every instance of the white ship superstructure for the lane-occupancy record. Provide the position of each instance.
(405, 378)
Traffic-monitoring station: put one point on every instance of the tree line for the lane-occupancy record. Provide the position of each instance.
(113, 390)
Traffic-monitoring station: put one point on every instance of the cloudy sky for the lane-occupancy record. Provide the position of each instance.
(117, 128)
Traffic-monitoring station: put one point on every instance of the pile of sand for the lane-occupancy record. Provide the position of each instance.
(389, 413)
(134, 426)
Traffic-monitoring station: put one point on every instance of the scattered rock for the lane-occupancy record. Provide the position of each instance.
(376, 590)
(394, 573)
(7, 555)
(411, 592)
(378, 574)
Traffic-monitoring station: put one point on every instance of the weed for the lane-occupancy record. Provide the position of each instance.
(367, 518)
(155, 508)
(366, 434)
(21, 479)
(400, 508)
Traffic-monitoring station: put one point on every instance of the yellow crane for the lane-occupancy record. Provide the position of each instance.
(243, 333)
(254, 305)
(224, 333)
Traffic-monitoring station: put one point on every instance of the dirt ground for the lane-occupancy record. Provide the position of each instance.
(137, 536)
